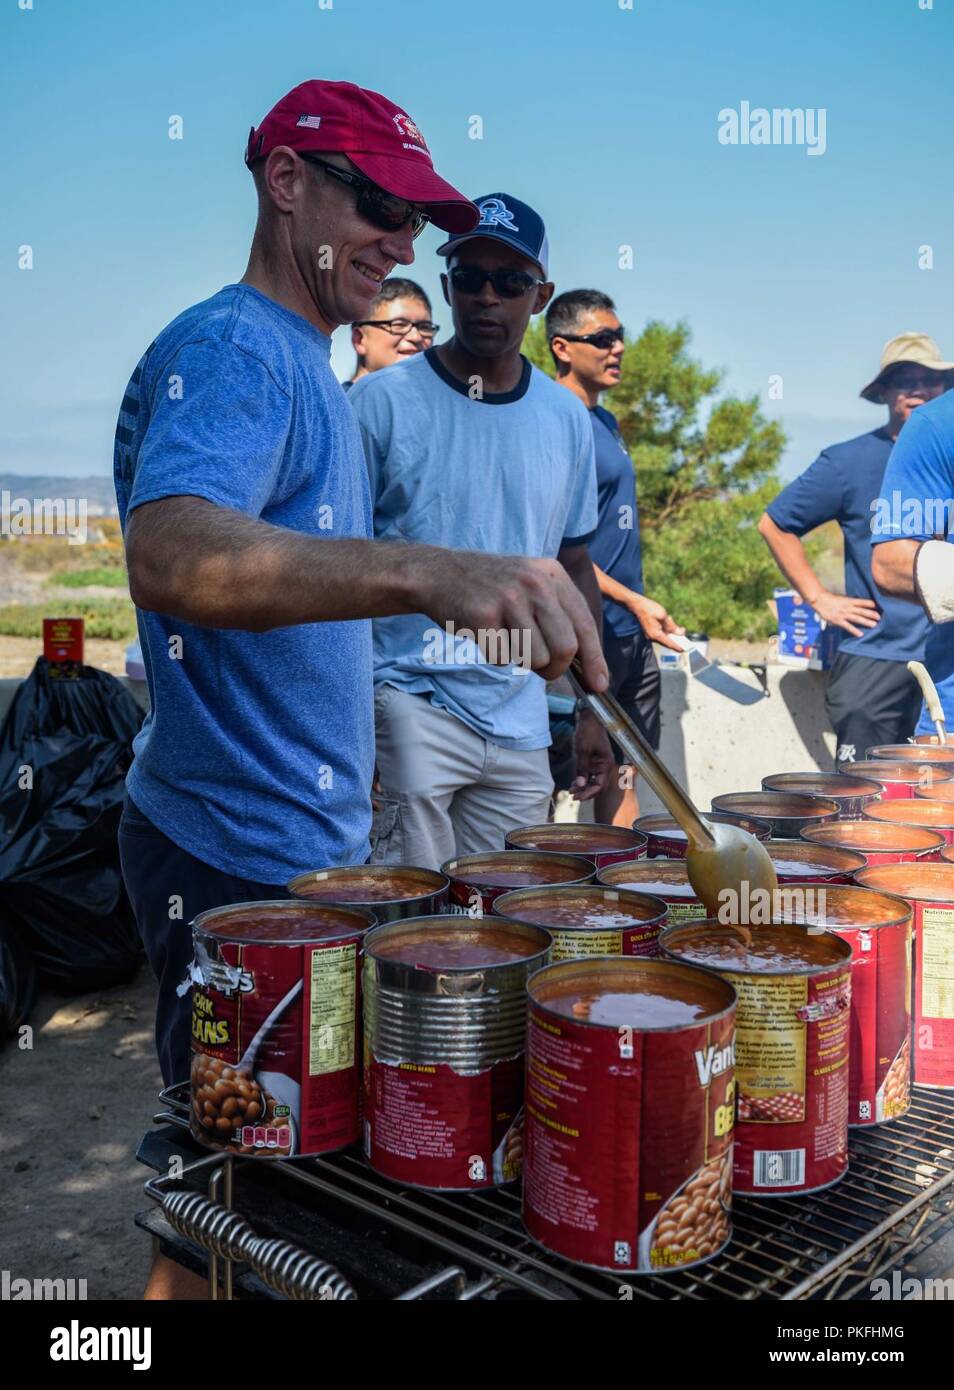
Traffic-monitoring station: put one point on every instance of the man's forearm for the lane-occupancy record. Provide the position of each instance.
(218, 568)
(612, 588)
(892, 567)
(789, 554)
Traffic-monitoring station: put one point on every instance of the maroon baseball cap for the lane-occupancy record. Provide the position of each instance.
(378, 137)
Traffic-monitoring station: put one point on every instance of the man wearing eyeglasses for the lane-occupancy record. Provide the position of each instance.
(469, 446)
(399, 326)
(870, 695)
(587, 343)
(243, 496)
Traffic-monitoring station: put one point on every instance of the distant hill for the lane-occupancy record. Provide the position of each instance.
(97, 489)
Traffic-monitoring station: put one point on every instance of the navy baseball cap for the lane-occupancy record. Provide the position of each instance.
(504, 218)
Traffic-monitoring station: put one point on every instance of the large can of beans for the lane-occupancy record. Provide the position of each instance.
(445, 1014)
(660, 878)
(276, 1028)
(933, 739)
(927, 811)
(668, 840)
(630, 1110)
(792, 1041)
(477, 879)
(788, 813)
(877, 927)
(797, 861)
(899, 778)
(911, 752)
(852, 794)
(929, 888)
(940, 791)
(589, 920)
(600, 844)
(879, 841)
(390, 891)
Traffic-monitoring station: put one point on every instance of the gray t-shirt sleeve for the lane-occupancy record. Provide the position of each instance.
(218, 429)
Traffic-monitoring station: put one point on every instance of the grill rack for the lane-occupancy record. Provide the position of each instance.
(896, 1199)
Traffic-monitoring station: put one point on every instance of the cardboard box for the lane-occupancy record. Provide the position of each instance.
(804, 639)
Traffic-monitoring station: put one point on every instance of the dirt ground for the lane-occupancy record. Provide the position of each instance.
(76, 1105)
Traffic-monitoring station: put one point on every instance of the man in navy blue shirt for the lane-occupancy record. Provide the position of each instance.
(587, 343)
(871, 697)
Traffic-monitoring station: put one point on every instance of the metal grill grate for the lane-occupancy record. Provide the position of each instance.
(899, 1192)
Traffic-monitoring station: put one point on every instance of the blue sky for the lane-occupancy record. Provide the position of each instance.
(606, 119)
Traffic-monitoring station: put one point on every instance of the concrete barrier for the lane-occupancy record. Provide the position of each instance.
(710, 744)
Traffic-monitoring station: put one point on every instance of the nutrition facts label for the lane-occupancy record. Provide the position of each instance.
(332, 1009)
(937, 962)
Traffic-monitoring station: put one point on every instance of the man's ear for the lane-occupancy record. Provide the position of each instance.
(444, 289)
(544, 295)
(357, 340)
(283, 177)
(560, 351)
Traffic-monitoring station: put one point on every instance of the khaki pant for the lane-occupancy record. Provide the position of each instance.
(456, 792)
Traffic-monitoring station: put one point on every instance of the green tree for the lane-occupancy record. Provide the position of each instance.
(705, 470)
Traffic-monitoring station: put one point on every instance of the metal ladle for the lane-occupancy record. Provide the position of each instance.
(720, 858)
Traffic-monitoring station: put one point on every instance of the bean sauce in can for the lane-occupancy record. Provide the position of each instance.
(879, 841)
(660, 878)
(589, 920)
(630, 1110)
(797, 860)
(668, 840)
(390, 891)
(900, 778)
(792, 1044)
(601, 844)
(477, 879)
(788, 813)
(922, 810)
(852, 794)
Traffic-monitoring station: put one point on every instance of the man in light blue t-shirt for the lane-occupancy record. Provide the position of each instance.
(471, 447)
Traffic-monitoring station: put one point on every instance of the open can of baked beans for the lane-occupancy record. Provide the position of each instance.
(630, 1111)
(796, 861)
(879, 841)
(390, 891)
(911, 752)
(667, 879)
(668, 840)
(926, 811)
(600, 844)
(929, 889)
(877, 927)
(445, 1017)
(589, 920)
(900, 778)
(792, 1045)
(477, 879)
(852, 794)
(788, 813)
(276, 1028)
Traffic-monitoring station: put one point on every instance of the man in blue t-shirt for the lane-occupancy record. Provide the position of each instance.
(244, 501)
(912, 557)
(587, 343)
(871, 697)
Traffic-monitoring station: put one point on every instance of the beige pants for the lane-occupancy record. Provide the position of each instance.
(456, 792)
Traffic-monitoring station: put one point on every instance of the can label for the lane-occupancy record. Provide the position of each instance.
(640, 939)
(792, 1043)
(469, 900)
(934, 995)
(300, 1093)
(681, 910)
(879, 1078)
(430, 1126)
(629, 1142)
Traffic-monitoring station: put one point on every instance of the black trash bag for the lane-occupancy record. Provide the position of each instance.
(17, 981)
(60, 880)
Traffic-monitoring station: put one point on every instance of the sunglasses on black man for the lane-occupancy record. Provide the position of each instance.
(509, 284)
(603, 340)
(374, 203)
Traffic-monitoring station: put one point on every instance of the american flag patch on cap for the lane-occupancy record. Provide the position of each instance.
(312, 122)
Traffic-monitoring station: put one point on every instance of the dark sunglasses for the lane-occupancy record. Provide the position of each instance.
(511, 284)
(375, 204)
(915, 381)
(400, 328)
(603, 340)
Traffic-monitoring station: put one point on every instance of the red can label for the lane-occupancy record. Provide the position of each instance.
(792, 1044)
(934, 994)
(431, 1127)
(628, 1142)
(893, 791)
(300, 1093)
(879, 1080)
